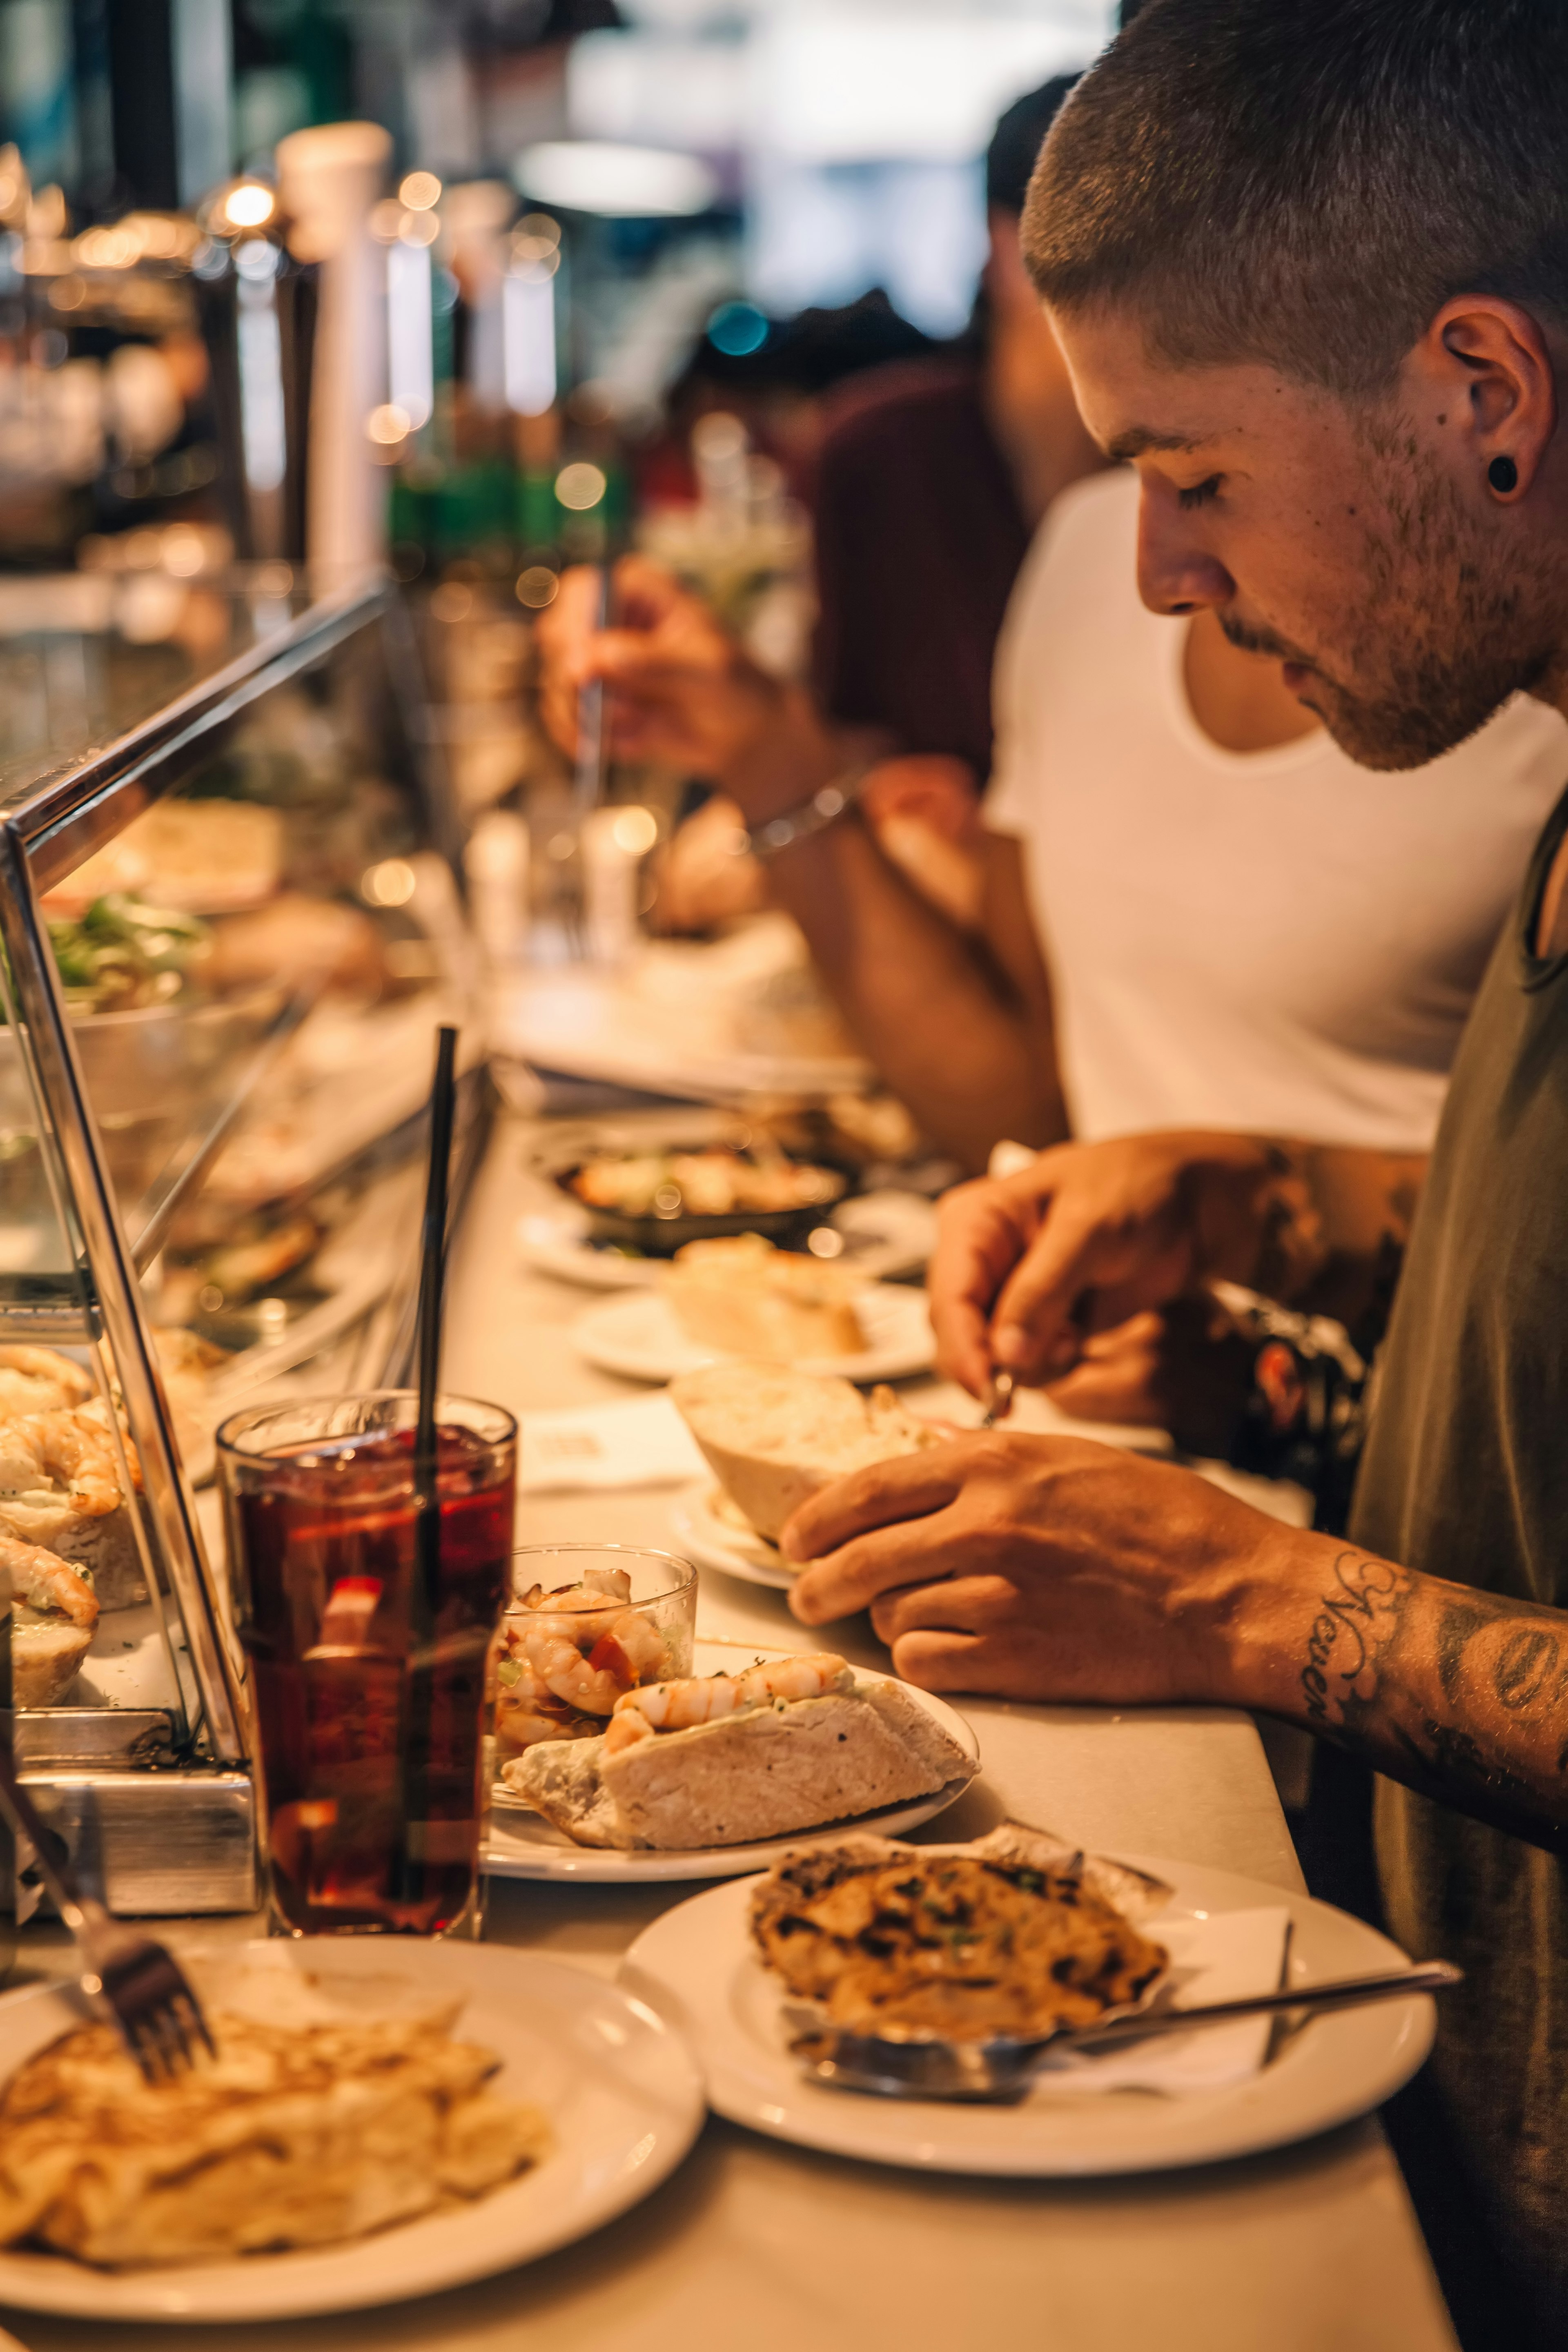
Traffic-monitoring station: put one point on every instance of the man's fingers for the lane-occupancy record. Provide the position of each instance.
(954, 1604)
(1123, 1388)
(949, 1661)
(907, 1487)
(980, 1236)
(918, 1551)
(1029, 1321)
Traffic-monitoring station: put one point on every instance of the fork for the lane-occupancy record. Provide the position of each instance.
(136, 1980)
(1001, 2070)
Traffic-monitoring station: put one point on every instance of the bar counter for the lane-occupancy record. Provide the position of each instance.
(1311, 2249)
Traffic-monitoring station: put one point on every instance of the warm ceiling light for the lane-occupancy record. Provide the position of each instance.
(248, 205)
(419, 191)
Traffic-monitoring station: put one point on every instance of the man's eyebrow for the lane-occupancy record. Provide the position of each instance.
(1140, 438)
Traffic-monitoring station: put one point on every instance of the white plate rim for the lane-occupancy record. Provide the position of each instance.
(698, 1532)
(601, 1866)
(762, 2091)
(597, 1339)
(358, 2276)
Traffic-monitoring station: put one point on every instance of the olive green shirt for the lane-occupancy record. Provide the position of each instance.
(1466, 1476)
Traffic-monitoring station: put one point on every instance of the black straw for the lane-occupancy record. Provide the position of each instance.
(425, 1595)
(432, 1269)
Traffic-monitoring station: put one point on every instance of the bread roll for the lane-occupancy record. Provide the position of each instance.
(744, 1298)
(774, 1437)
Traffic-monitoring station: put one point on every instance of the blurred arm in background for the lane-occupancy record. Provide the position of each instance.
(957, 1019)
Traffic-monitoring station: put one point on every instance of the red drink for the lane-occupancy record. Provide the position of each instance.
(368, 1676)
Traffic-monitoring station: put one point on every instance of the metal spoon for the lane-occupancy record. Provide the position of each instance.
(1001, 2070)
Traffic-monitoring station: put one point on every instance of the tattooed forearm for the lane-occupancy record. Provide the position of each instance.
(1357, 1619)
(1463, 1695)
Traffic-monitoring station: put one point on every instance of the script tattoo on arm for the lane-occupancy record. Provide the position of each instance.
(1462, 1694)
(1357, 1619)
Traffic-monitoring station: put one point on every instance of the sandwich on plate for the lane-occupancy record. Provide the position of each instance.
(773, 1436)
(730, 1760)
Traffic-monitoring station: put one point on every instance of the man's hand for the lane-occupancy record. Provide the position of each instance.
(678, 689)
(1187, 1368)
(1090, 1234)
(1039, 1568)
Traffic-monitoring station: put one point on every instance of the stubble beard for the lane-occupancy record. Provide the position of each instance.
(1439, 635)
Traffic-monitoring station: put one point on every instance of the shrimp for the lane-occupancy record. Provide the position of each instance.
(526, 1712)
(552, 1646)
(60, 1449)
(811, 1675)
(41, 1581)
(681, 1705)
(38, 1380)
(601, 1588)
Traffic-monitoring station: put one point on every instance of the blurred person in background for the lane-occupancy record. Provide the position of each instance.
(929, 479)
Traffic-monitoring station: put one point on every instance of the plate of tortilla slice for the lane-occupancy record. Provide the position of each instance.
(877, 1734)
(382, 2121)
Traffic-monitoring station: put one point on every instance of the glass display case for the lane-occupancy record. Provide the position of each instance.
(226, 940)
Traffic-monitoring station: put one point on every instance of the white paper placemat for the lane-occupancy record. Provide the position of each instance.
(640, 1443)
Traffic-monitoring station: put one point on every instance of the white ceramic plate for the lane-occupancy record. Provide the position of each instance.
(701, 1533)
(887, 1233)
(622, 2093)
(638, 1336)
(520, 1844)
(695, 1965)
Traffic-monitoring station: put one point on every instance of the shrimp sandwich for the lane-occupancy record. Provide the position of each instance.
(729, 1760)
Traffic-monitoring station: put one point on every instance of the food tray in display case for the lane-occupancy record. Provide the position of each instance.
(226, 941)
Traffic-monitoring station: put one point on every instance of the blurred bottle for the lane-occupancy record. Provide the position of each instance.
(328, 178)
(257, 303)
(496, 865)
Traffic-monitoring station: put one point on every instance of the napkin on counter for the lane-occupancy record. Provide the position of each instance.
(1222, 1958)
(640, 1443)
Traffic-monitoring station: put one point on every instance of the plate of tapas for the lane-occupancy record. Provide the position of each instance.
(372, 2124)
(939, 1965)
(740, 1297)
(718, 1773)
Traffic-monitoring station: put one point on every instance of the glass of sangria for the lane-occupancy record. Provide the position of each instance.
(366, 1647)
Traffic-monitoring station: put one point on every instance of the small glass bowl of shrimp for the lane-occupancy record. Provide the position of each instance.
(587, 1623)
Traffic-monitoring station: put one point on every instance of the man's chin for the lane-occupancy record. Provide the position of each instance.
(1385, 738)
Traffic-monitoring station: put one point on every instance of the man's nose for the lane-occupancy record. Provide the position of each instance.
(1176, 574)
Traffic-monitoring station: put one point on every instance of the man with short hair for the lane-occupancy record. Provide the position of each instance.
(1310, 268)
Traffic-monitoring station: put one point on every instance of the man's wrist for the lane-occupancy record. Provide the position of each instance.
(1263, 1626)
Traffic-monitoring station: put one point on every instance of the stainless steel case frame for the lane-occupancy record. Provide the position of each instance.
(162, 1814)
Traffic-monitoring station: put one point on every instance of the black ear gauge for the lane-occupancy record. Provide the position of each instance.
(1504, 475)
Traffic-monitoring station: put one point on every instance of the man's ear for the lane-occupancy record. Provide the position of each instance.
(1485, 374)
